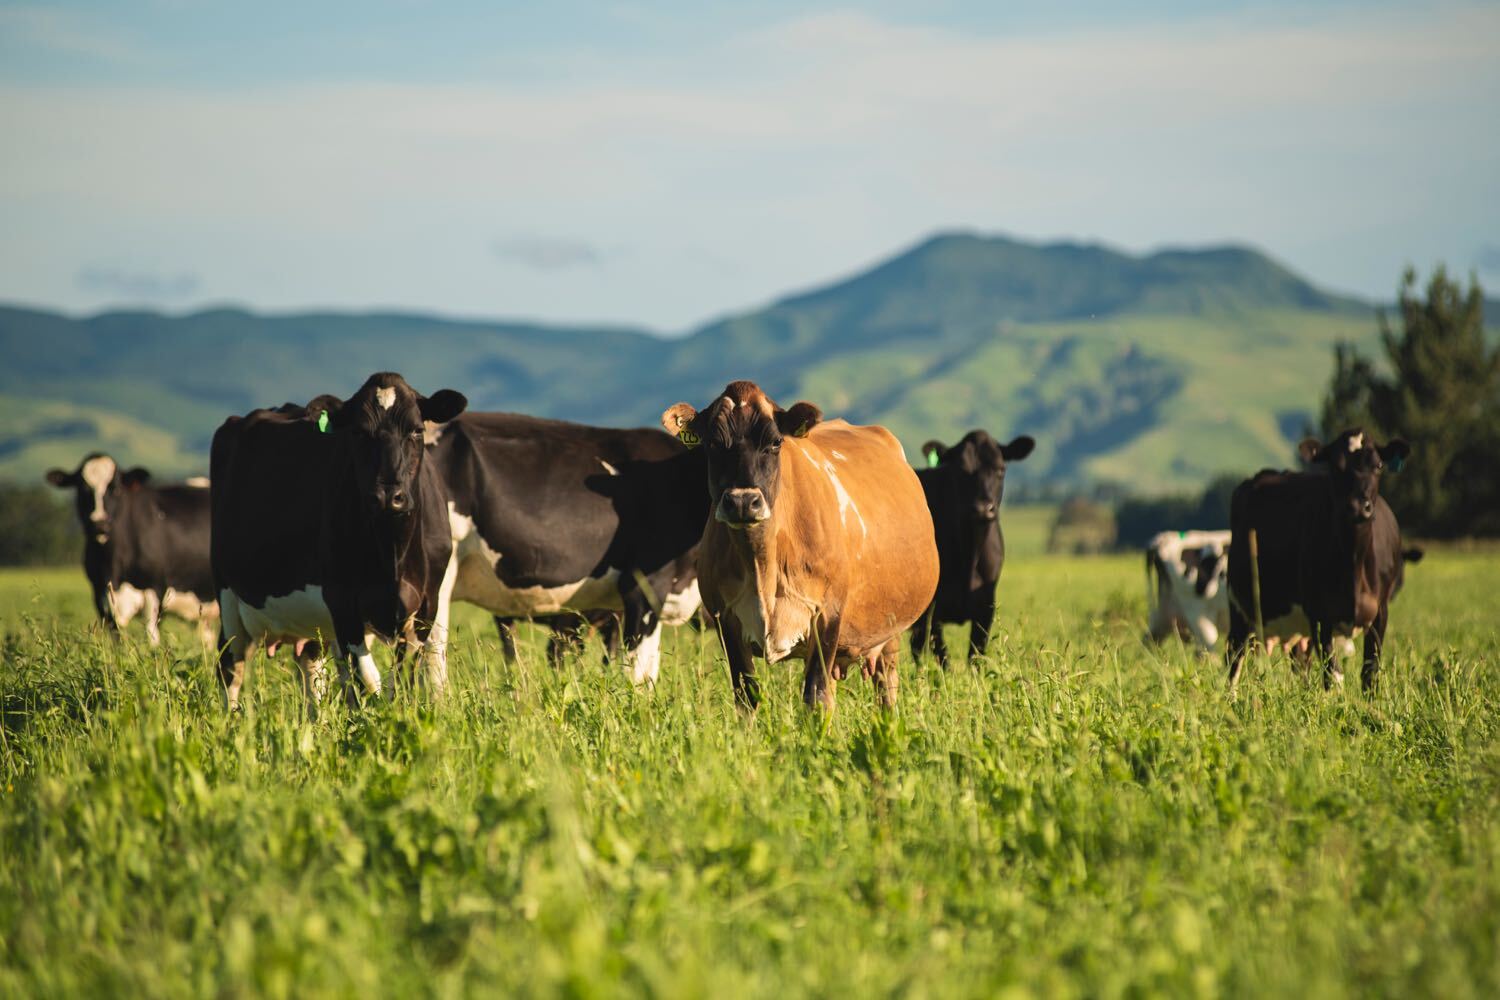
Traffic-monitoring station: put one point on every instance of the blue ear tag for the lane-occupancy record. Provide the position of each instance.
(323, 422)
(932, 459)
(1396, 463)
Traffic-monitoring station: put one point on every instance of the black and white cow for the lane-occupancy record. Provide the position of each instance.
(145, 547)
(964, 485)
(1330, 555)
(328, 522)
(1187, 587)
(551, 517)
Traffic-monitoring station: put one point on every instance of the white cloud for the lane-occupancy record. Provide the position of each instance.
(813, 146)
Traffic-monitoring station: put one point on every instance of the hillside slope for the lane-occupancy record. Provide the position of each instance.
(1151, 370)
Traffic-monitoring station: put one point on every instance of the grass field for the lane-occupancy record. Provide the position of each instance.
(1080, 816)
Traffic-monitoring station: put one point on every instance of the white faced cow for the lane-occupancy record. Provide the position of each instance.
(145, 547)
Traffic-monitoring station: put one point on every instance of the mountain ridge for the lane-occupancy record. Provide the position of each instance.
(1101, 353)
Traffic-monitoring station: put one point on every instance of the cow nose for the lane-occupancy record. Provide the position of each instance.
(742, 506)
(1367, 508)
(398, 501)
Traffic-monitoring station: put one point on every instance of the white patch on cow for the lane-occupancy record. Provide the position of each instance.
(838, 455)
(681, 606)
(385, 397)
(369, 673)
(747, 611)
(197, 482)
(97, 473)
(609, 468)
(1356, 442)
(1176, 607)
(643, 663)
(125, 602)
(846, 502)
(302, 614)
(435, 652)
(478, 583)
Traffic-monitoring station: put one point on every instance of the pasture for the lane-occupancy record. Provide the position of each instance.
(1079, 816)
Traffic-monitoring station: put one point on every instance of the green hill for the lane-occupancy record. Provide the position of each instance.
(1154, 371)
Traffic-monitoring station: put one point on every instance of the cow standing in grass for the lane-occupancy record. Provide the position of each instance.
(964, 485)
(819, 546)
(1330, 556)
(145, 547)
(1187, 586)
(327, 523)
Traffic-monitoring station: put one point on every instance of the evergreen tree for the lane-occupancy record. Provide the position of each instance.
(1442, 395)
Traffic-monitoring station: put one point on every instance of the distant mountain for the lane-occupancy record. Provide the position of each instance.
(1153, 370)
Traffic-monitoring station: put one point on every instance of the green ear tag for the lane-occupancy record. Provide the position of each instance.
(932, 459)
(323, 422)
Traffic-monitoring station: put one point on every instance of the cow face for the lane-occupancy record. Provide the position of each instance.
(383, 424)
(979, 464)
(99, 488)
(741, 431)
(1356, 463)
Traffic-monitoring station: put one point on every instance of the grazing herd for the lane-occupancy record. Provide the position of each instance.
(326, 525)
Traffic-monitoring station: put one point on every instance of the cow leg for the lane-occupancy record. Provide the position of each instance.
(609, 634)
(435, 647)
(311, 657)
(151, 613)
(507, 630)
(111, 611)
(231, 650)
(1327, 654)
(568, 630)
(642, 629)
(1374, 643)
(884, 672)
(979, 631)
(741, 665)
(817, 678)
(939, 644)
(921, 635)
(1234, 648)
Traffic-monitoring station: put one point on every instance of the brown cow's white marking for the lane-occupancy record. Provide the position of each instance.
(97, 473)
(385, 397)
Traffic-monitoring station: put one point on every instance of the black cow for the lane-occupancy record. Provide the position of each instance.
(1330, 556)
(145, 546)
(328, 522)
(552, 517)
(964, 485)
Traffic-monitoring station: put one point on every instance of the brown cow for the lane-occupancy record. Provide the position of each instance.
(820, 546)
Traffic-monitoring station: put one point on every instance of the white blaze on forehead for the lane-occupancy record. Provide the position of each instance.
(97, 473)
(1356, 442)
(385, 397)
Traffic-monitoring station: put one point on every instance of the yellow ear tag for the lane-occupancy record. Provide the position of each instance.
(687, 437)
(801, 432)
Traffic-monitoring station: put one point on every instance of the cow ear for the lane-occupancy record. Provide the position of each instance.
(797, 421)
(1394, 454)
(677, 420)
(59, 478)
(442, 406)
(933, 452)
(1308, 450)
(1019, 448)
(134, 478)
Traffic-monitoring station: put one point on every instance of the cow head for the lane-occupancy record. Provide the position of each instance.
(978, 465)
(741, 431)
(1356, 463)
(383, 424)
(99, 487)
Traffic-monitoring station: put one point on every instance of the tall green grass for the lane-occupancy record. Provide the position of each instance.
(1079, 816)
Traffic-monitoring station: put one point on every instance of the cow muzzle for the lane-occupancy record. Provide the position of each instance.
(1364, 509)
(984, 511)
(740, 508)
(392, 500)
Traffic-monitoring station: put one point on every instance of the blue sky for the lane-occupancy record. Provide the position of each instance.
(658, 164)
